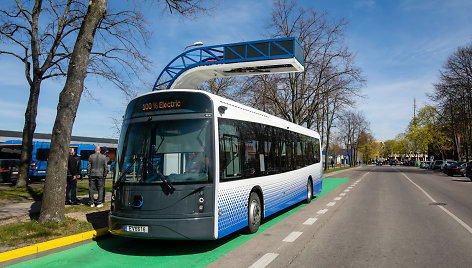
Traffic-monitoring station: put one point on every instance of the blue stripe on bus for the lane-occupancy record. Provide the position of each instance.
(233, 197)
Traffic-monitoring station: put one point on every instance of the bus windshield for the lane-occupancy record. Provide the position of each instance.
(177, 151)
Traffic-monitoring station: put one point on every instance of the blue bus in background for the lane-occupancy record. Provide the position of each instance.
(37, 171)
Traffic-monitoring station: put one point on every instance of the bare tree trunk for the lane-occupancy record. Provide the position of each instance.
(32, 108)
(52, 209)
(327, 150)
(28, 131)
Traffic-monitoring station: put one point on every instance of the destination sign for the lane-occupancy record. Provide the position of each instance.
(170, 102)
(158, 105)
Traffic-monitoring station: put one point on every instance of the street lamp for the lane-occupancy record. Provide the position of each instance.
(196, 44)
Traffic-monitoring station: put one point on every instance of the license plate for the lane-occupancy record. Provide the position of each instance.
(136, 229)
(41, 172)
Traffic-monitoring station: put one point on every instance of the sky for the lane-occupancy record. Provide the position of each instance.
(400, 46)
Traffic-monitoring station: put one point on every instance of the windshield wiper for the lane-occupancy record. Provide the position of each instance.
(170, 188)
(123, 175)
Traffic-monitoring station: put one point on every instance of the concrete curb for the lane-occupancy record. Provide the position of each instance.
(52, 244)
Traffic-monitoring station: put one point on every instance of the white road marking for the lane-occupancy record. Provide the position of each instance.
(338, 198)
(292, 237)
(342, 194)
(467, 227)
(330, 204)
(310, 221)
(264, 260)
(347, 190)
(323, 211)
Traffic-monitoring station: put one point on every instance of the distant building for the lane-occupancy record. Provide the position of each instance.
(6, 135)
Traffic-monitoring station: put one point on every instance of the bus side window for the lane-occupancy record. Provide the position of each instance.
(317, 151)
(85, 154)
(230, 157)
(42, 154)
(230, 150)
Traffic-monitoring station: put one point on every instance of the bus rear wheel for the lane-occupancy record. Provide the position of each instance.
(309, 192)
(254, 213)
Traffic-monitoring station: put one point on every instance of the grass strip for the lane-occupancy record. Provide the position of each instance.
(26, 233)
(31, 193)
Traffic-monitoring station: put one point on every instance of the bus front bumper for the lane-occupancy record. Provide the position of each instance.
(201, 228)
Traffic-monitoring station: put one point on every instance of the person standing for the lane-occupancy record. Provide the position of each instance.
(97, 171)
(73, 173)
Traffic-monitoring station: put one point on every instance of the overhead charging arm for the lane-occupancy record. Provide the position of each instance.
(195, 66)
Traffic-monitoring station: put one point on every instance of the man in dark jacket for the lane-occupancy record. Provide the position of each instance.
(73, 173)
(97, 170)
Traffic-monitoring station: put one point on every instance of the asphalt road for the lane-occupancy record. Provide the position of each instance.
(382, 217)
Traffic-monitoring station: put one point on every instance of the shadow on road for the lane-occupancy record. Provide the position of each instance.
(156, 247)
(98, 219)
(463, 180)
(159, 247)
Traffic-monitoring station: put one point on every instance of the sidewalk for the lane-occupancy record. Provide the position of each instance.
(33, 207)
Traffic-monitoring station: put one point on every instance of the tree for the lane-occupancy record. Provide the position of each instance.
(401, 147)
(45, 49)
(453, 95)
(368, 147)
(224, 87)
(330, 75)
(388, 149)
(351, 125)
(52, 209)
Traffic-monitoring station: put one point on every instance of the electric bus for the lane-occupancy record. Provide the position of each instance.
(193, 165)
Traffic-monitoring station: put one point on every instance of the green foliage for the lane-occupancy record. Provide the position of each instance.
(389, 148)
(427, 131)
(368, 147)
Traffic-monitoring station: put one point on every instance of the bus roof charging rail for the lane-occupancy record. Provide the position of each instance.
(195, 66)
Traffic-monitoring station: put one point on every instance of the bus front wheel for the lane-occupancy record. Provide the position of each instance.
(254, 213)
(309, 191)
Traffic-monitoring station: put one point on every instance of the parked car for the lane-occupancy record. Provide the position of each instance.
(425, 164)
(468, 170)
(439, 164)
(448, 162)
(455, 169)
(9, 170)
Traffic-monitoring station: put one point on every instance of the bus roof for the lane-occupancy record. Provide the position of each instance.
(238, 111)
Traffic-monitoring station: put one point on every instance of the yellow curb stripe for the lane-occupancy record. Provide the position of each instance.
(56, 243)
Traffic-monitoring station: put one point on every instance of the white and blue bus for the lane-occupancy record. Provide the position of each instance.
(193, 165)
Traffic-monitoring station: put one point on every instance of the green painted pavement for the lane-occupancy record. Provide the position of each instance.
(114, 251)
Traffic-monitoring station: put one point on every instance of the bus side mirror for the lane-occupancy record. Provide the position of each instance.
(222, 109)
